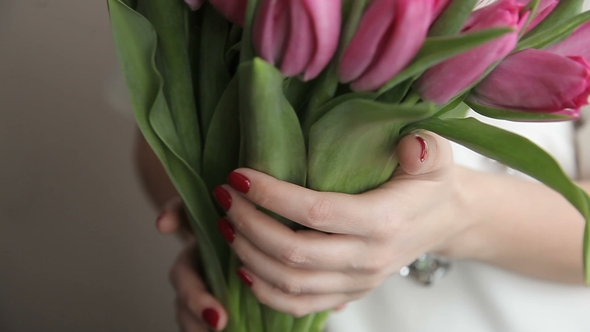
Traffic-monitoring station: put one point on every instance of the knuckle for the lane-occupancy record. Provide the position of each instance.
(373, 265)
(321, 211)
(291, 286)
(294, 257)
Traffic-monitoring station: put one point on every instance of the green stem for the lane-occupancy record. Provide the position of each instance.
(248, 52)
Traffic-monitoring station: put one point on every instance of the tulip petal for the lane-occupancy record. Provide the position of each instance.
(536, 81)
(233, 10)
(577, 44)
(402, 43)
(444, 81)
(326, 17)
(365, 44)
(270, 30)
(301, 42)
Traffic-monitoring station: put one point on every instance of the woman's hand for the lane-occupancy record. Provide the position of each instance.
(196, 309)
(355, 241)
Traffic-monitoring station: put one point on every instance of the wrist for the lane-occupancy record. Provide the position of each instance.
(472, 210)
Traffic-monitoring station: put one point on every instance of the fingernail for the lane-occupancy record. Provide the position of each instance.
(227, 230)
(211, 317)
(246, 278)
(239, 182)
(223, 198)
(424, 145)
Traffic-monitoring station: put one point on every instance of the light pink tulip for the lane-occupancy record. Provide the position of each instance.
(390, 34)
(233, 10)
(577, 44)
(444, 81)
(537, 81)
(300, 35)
(194, 4)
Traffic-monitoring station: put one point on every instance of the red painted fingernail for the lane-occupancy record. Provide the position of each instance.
(246, 278)
(223, 198)
(424, 146)
(211, 316)
(239, 182)
(227, 230)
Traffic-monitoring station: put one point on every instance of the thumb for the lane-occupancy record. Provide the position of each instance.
(424, 153)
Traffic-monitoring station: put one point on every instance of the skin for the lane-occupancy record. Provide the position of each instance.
(361, 240)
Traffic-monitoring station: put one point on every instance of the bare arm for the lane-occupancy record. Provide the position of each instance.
(522, 226)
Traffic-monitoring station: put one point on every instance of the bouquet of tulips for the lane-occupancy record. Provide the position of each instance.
(319, 92)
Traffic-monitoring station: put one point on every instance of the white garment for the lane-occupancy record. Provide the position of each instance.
(474, 297)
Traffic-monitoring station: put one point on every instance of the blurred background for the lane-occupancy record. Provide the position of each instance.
(78, 246)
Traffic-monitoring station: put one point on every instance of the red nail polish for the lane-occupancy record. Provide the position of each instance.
(424, 146)
(227, 230)
(239, 182)
(246, 278)
(211, 317)
(223, 198)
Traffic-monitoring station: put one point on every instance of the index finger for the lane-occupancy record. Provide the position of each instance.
(334, 213)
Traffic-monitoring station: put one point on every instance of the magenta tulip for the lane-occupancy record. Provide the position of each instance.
(390, 34)
(194, 4)
(444, 81)
(233, 10)
(299, 35)
(536, 81)
(577, 44)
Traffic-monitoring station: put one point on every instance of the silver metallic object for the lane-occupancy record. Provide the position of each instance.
(427, 269)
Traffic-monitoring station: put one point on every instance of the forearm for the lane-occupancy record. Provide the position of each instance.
(152, 173)
(522, 226)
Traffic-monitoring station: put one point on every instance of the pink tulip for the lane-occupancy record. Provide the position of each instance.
(194, 4)
(390, 34)
(444, 81)
(577, 44)
(537, 81)
(300, 35)
(543, 10)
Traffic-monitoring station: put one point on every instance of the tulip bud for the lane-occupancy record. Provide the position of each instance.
(233, 10)
(536, 81)
(444, 81)
(194, 4)
(300, 35)
(390, 34)
(576, 44)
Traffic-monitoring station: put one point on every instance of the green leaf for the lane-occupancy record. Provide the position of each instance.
(453, 18)
(555, 34)
(515, 152)
(565, 10)
(135, 42)
(272, 141)
(169, 20)
(222, 146)
(515, 115)
(213, 71)
(351, 149)
(438, 49)
(314, 117)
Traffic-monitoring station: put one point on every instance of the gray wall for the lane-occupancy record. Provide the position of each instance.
(78, 247)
